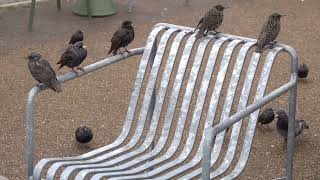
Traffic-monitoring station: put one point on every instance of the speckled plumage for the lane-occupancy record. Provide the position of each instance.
(73, 56)
(303, 71)
(76, 37)
(42, 71)
(269, 31)
(282, 124)
(266, 116)
(210, 21)
(122, 37)
(83, 134)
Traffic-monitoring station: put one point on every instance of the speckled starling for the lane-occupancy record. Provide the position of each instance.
(122, 37)
(282, 124)
(269, 31)
(266, 116)
(210, 21)
(42, 72)
(83, 134)
(73, 56)
(303, 71)
(76, 37)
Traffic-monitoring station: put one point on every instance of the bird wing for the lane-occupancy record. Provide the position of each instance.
(199, 23)
(66, 56)
(42, 71)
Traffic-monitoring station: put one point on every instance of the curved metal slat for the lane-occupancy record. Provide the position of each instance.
(129, 118)
(157, 111)
(193, 127)
(204, 87)
(146, 101)
(227, 105)
(187, 95)
(254, 116)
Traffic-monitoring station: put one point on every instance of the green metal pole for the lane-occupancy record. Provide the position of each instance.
(89, 8)
(32, 9)
(59, 5)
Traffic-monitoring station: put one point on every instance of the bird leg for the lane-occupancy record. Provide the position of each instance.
(272, 44)
(75, 71)
(80, 68)
(126, 50)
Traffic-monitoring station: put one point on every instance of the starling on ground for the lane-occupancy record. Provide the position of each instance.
(269, 31)
(76, 37)
(83, 134)
(210, 21)
(303, 71)
(282, 125)
(122, 37)
(266, 117)
(73, 56)
(42, 72)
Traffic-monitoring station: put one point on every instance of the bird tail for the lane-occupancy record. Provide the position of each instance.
(55, 85)
(111, 49)
(200, 33)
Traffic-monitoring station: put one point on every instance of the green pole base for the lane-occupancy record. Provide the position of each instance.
(97, 8)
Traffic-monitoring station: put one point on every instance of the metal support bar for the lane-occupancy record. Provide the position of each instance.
(213, 131)
(63, 78)
(59, 5)
(130, 6)
(31, 16)
(89, 8)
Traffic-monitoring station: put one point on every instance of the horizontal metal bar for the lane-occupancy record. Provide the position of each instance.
(213, 131)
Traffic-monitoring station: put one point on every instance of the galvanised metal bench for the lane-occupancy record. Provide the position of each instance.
(179, 89)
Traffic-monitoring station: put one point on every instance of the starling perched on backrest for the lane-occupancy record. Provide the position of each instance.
(303, 71)
(269, 31)
(73, 56)
(210, 21)
(42, 72)
(122, 37)
(83, 134)
(282, 124)
(266, 116)
(76, 37)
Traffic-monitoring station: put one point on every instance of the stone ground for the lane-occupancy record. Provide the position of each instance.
(58, 115)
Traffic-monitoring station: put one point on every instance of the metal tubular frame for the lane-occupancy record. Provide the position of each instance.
(129, 161)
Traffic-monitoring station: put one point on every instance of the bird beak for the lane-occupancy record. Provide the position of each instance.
(133, 26)
(283, 15)
(84, 46)
(226, 7)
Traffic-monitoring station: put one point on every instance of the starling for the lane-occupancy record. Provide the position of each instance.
(266, 117)
(303, 71)
(282, 125)
(76, 37)
(42, 71)
(83, 134)
(122, 37)
(73, 56)
(269, 31)
(210, 21)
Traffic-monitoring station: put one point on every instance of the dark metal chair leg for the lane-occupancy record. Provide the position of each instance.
(59, 5)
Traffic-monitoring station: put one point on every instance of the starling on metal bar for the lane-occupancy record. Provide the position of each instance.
(210, 21)
(282, 124)
(73, 56)
(122, 37)
(266, 116)
(76, 37)
(41, 70)
(83, 134)
(269, 31)
(303, 71)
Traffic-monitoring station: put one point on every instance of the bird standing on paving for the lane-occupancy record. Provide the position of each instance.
(210, 21)
(41, 70)
(303, 71)
(122, 37)
(73, 56)
(83, 134)
(282, 125)
(269, 31)
(266, 116)
(76, 37)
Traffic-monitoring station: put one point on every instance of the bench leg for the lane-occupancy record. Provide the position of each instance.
(31, 16)
(59, 5)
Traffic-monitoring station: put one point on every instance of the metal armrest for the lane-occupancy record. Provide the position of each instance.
(63, 78)
(213, 131)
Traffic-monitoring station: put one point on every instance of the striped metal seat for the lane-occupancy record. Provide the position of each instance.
(181, 111)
